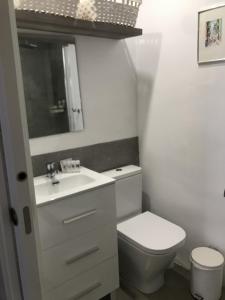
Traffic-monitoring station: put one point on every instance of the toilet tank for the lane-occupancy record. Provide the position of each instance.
(128, 191)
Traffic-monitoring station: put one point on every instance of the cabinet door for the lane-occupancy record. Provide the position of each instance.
(62, 263)
(65, 219)
(91, 285)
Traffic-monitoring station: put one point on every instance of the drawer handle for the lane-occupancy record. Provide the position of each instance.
(82, 255)
(79, 217)
(88, 290)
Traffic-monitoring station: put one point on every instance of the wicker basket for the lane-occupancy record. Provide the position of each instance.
(123, 12)
(65, 8)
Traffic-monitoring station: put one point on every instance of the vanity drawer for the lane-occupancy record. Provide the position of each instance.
(67, 218)
(91, 285)
(66, 261)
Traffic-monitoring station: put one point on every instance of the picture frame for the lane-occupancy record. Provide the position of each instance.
(211, 35)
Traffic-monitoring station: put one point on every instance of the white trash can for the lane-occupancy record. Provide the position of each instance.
(206, 274)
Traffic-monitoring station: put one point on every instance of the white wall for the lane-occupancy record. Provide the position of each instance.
(181, 109)
(108, 90)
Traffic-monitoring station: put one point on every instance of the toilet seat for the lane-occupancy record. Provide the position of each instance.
(151, 234)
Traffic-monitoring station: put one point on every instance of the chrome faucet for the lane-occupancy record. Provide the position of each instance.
(52, 170)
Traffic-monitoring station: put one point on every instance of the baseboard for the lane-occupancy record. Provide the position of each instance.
(182, 270)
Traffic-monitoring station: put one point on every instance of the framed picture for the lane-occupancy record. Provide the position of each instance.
(211, 35)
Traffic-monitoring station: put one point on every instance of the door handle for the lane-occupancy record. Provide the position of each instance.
(79, 217)
(27, 220)
(26, 216)
(88, 252)
(85, 292)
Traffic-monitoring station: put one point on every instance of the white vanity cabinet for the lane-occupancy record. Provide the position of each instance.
(79, 245)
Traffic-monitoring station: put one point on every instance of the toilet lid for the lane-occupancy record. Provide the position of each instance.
(207, 258)
(151, 233)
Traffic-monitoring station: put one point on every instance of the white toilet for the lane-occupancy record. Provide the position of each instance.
(147, 243)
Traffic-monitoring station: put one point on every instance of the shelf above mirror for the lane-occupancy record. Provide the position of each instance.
(67, 25)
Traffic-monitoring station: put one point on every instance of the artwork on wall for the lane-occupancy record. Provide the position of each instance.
(211, 35)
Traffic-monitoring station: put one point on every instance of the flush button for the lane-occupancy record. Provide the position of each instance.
(119, 170)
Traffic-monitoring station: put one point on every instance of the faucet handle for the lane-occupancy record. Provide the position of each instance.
(51, 167)
(52, 170)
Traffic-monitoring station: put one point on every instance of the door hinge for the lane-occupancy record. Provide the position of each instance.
(13, 216)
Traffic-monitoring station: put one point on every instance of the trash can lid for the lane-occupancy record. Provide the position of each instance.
(207, 257)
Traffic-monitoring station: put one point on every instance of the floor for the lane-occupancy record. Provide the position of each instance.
(176, 288)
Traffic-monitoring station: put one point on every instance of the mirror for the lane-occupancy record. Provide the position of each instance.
(51, 86)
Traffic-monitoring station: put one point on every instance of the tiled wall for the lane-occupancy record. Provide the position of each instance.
(99, 157)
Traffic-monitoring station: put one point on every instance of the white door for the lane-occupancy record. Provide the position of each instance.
(17, 156)
(10, 288)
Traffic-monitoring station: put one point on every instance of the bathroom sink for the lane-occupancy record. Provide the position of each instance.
(65, 183)
(69, 184)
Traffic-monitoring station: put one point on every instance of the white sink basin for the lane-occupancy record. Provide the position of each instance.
(66, 183)
(69, 184)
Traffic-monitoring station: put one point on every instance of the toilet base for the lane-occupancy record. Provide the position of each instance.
(141, 270)
(154, 285)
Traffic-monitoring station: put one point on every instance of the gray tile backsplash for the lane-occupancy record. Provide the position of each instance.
(99, 157)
